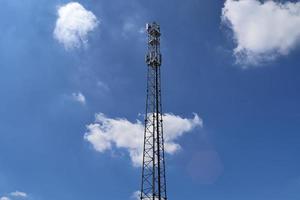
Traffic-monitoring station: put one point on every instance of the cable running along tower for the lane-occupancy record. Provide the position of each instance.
(153, 172)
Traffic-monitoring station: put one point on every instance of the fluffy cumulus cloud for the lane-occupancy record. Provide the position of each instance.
(108, 133)
(262, 30)
(73, 25)
(4, 198)
(79, 97)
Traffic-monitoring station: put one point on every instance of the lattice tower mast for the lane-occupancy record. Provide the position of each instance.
(153, 171)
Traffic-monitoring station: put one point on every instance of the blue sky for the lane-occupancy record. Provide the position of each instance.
(243, 87)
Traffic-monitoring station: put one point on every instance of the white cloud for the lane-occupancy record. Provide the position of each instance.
(262, 30)
(73, 24)
(4, 198)
(79, 97)
(107, 133)
(18, 194)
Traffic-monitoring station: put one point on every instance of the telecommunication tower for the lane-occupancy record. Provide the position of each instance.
(153, 171)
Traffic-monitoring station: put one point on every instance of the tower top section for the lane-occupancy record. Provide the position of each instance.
(153, 29)
(153, 57)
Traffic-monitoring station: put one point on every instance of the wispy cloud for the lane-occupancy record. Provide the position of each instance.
(136, 195)
(102, 85)
(133, 27)
(108, 133)
(79, 97)
(14, 195)
(262, 30)
(73, 24)
(18, 194)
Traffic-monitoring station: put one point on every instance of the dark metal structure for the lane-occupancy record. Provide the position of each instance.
(153, 172)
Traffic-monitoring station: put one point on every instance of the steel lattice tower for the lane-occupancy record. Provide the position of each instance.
(153, 172)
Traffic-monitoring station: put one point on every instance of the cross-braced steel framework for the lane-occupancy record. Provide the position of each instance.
(153, 172)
